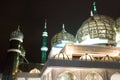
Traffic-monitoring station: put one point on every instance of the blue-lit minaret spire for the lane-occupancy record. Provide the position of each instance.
(94, 7)
(44, 47)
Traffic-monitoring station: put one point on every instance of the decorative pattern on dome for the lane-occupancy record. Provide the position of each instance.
(17, 34)
(87, 57)
(62, 38)
(97, 27)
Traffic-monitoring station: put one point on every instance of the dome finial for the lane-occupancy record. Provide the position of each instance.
(18, 28)
(91, 13)
(63, 27)
(45, 23)
(94, 7)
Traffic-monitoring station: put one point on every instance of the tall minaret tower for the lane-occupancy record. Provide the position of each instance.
(13, 54)
(44, 47)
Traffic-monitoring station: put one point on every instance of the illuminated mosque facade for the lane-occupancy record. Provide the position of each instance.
(93, 54)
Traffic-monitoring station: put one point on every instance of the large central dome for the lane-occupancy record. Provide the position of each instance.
(97, 29)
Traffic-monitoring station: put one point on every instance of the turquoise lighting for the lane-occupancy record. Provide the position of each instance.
(94, 7)
(44, 48)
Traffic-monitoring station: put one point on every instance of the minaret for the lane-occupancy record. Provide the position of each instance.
(13, 54)
(44, 47)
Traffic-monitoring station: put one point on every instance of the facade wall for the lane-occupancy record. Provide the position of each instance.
(83, 74)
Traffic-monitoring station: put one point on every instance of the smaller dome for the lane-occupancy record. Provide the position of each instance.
(17, 35)
(86, 57)
(61, 56)
(62, 38)
(108, 58)
(34, 71)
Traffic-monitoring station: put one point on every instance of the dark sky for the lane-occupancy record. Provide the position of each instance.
(30, 15)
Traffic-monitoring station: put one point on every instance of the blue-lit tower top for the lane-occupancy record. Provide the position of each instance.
(17, 35)
(94, 7)
(44, 47)
(94, 11)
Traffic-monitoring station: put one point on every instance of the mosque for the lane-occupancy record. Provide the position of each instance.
(93, 54)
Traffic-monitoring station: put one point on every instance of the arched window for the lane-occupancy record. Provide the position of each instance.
(93, 76)
(115, 76)
(66, 76)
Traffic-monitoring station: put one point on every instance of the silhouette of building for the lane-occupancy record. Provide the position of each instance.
(93, 54)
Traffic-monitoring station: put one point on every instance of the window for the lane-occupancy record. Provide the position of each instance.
(66, 76)
(93, 76)
(115, 76)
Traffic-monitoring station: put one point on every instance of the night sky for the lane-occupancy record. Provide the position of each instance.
(31, 14)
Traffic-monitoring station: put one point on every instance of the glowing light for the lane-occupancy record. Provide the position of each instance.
(94, 41)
